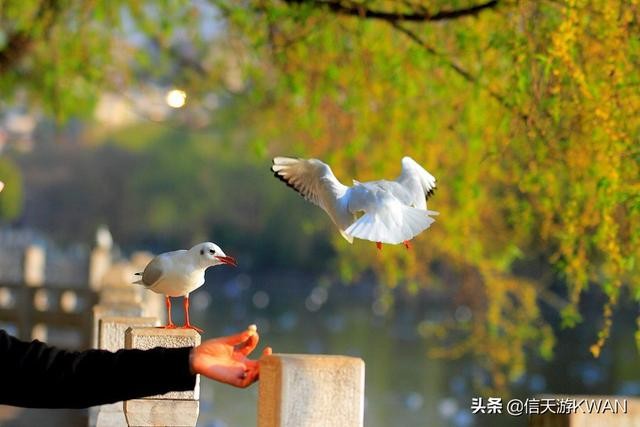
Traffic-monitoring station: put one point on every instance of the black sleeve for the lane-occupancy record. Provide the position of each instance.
(36, 375)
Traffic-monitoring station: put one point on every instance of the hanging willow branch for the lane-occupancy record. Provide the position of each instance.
(396, 19)
(466, 75)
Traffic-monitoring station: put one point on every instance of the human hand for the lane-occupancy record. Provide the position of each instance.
(225, 359)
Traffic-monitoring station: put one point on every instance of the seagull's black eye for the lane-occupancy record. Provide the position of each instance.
(201, 251)
(211, 251)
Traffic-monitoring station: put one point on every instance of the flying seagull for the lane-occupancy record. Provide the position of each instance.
(381, 211)
(178, 273)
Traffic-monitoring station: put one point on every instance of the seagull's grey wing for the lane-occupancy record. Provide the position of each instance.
(417, 181)
(315, 181)
(153, 272)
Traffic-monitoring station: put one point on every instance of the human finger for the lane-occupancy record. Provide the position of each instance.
(236, 339)
(250, 344)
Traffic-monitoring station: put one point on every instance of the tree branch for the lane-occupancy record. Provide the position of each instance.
(19, 43)
(360, 11)
(466, 75)
(455, 67)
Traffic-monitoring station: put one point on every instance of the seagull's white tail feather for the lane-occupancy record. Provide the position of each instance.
(392, 223)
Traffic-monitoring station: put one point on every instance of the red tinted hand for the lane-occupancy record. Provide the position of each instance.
(225, 359)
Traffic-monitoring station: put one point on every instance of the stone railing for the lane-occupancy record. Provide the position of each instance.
(32, 305)
(127, 316)
(295, 390)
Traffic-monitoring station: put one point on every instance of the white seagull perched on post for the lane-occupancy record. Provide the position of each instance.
(178, 273)
(391, 211)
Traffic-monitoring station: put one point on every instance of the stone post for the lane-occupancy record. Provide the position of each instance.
(112, 330)
(99, 263)
(117, 285)
(34, 265)
(154, 303)
(33, 275)
(101, 311)
(98, 313)
(173, 408)
(311, 391)
(123, 294)
(111, 337)
(117, 288)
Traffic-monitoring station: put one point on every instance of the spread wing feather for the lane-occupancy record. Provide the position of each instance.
(315, 181)
(420, 183)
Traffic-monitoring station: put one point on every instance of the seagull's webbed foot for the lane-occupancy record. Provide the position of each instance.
(170, 326)
(190, 326)
(407, 244)
(379, 245)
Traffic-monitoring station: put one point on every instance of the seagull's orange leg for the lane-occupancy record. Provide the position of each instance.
(407, 244)
(379, 245)
(169, 324)
(188, 324)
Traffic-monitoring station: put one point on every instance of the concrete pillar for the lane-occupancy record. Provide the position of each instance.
(122, 294)
(117, 288)
(99, 263)
(111, 337)
(34, 265)
(178, 408)
(158, 412)
(33, 275)
(154, 305)
(101, 311)
(299, 390)
(140, 259)
(112, 329)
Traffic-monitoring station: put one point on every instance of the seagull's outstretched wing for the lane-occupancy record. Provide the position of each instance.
(315, 181)
(420, 183)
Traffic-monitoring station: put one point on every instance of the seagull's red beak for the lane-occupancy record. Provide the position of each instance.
(228, 260)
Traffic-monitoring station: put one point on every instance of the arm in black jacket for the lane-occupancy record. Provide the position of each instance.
(40, 376)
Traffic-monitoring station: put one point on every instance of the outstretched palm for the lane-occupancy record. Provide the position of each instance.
(225, 359)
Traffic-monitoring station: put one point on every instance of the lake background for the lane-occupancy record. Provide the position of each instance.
(404, 387)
